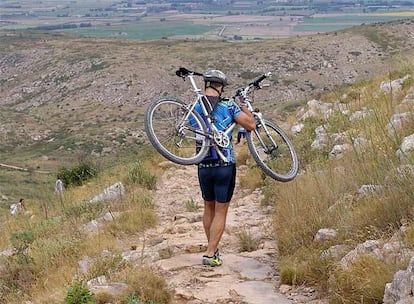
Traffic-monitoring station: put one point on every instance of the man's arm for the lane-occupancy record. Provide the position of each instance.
(246, 119)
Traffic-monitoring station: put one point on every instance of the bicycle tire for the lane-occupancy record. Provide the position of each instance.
(179, 146)
(280, 163)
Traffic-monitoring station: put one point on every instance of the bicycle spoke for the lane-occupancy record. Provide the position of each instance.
(273, 152)
(176, 136)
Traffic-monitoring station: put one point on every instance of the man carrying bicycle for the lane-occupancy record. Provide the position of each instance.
(217, 178)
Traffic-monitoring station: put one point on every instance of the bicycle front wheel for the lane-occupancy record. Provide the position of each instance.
(175, 133)
(273, 151)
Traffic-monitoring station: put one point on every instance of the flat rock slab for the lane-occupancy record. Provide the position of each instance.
(257, 292)
(251, 269)
(239, 280)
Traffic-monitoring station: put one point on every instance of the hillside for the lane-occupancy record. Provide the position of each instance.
(61, 94)
(341, 232)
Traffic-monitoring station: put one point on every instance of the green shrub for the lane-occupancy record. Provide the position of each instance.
(77, 174)
(21, 242)
(78, 293)
(138, 174)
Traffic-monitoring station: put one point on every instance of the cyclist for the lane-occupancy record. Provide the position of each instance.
(216, 177)
(240, 134)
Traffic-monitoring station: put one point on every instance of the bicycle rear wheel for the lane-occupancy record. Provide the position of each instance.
(178, 139)
(273, 151)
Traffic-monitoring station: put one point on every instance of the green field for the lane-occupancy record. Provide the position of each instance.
(336, 23)
(351, 19)
(142, 30)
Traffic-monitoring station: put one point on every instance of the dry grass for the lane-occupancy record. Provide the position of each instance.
(362, 282)
(248, 242)
(325, 196)
(59, 242)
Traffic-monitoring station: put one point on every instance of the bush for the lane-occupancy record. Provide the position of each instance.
(78, 293)
(78, 174)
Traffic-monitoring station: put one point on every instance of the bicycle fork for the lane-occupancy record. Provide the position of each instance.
(267, 149)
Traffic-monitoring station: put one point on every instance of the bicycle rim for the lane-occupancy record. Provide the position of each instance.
(176, 138)
(278, 161)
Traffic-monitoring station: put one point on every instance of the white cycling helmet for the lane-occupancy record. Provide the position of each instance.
(215, 76)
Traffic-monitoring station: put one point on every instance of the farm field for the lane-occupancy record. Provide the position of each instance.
(198, 26)
(242, 20)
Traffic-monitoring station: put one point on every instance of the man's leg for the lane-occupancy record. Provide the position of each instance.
(209, 210)
(217, 226)
(238, 137)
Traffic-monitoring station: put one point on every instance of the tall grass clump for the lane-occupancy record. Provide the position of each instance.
(139, 174)
(134, 220)
(146, 285)
(361, 282)
(248, 242)
(18, 271)
(329, 193)
(254, 178)
(303, 141)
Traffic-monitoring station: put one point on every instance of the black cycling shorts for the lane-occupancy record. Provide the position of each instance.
(217, 183)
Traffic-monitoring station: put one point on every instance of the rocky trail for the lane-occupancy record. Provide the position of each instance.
(178, 243)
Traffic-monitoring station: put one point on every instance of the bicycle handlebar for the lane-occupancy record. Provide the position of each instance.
(183, 72)
(258, 80)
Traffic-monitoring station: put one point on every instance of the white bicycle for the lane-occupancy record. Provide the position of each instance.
(175, 129)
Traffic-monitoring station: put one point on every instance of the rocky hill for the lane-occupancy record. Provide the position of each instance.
(61, 93)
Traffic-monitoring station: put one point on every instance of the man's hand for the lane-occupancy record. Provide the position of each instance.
(240, 100)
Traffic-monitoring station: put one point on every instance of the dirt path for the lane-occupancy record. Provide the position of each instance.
(178, 243)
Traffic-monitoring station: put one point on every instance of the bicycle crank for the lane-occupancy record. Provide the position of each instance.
(221, 139)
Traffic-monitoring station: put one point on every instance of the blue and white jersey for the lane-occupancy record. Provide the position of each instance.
(225, 112)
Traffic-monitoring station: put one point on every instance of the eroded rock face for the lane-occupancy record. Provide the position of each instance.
(114, 192)
(401, 289)
(394, 85)
(407, 147)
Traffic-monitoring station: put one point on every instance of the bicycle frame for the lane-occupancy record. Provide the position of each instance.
(217, 137)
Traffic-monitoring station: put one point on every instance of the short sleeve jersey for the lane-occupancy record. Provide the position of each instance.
(225, 112)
